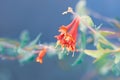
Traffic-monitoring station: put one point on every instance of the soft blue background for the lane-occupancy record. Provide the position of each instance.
(44, 16)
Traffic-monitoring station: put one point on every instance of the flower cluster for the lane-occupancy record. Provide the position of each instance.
(68, 35)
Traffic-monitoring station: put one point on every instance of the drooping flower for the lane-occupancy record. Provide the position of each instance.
(41, 55)
(68, 35)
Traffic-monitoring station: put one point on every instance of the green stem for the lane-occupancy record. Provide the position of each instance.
(82, 47)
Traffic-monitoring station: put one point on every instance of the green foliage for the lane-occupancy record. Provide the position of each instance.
(28, 55)
(2, 49)
(117, 58)
(24, 38)
(116, 69)
(106, 54)
(106, 33)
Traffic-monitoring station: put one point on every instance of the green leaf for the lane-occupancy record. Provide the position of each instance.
(87, 20)
(34, 42)
(106, 33)
(117, 58)
(26, 55)
(27, 58)
(116, 69)
(2, 49)
(79, 59)
(82, 47)
(102, 46)
(99, 46)
(104, 64)
(61, 55)
(97, 53)
(105, 45)
(81, 7)
(24, 38)
(93, 53)
(4, 41)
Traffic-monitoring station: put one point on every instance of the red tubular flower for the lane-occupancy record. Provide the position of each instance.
(41, 55)
(68, 35)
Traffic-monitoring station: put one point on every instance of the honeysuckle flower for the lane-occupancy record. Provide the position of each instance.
(41, 55)
(68, 35)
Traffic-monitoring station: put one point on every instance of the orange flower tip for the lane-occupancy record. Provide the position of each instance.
(39, 60)
(62, 29)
